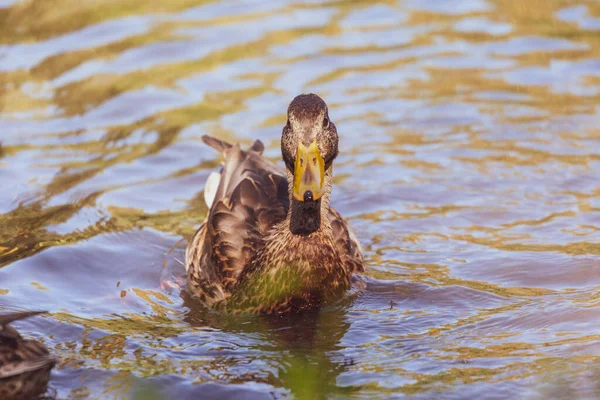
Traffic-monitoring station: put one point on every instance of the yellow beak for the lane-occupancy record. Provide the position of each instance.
(309, 172)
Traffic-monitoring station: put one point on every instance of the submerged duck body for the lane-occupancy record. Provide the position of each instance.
(24, 364)
(271, 242)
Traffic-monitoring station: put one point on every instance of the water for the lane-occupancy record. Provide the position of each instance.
(468, 166)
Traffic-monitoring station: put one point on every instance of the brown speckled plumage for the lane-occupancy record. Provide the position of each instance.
(261, 250)
(24, 364)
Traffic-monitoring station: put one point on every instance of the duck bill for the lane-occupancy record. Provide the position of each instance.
(309, 173)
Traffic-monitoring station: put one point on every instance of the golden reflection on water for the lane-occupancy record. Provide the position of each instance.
(468, 168)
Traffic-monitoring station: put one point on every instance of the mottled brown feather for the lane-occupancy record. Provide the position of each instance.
(25, 365)
(346, 242)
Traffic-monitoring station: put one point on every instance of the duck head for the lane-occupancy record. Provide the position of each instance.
(309, 145)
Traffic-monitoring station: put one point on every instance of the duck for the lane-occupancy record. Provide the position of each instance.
(271, 242)
(25, 365)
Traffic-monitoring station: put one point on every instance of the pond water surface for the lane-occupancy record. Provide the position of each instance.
(469, 159)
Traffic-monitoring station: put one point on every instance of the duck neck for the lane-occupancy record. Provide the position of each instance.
(308, 218)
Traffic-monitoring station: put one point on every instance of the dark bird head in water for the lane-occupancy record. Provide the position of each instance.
(309, 144)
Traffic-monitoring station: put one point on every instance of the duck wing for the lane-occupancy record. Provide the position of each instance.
(346, 242)
(250, 196)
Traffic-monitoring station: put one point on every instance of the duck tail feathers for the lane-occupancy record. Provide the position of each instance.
(257, 146)
(215, 143)
(15, 316)
(222, 147)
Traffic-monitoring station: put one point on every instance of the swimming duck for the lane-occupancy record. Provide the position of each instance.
(24, 364)
(271, 242)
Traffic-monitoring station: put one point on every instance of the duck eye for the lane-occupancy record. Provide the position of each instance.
(325, 122)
